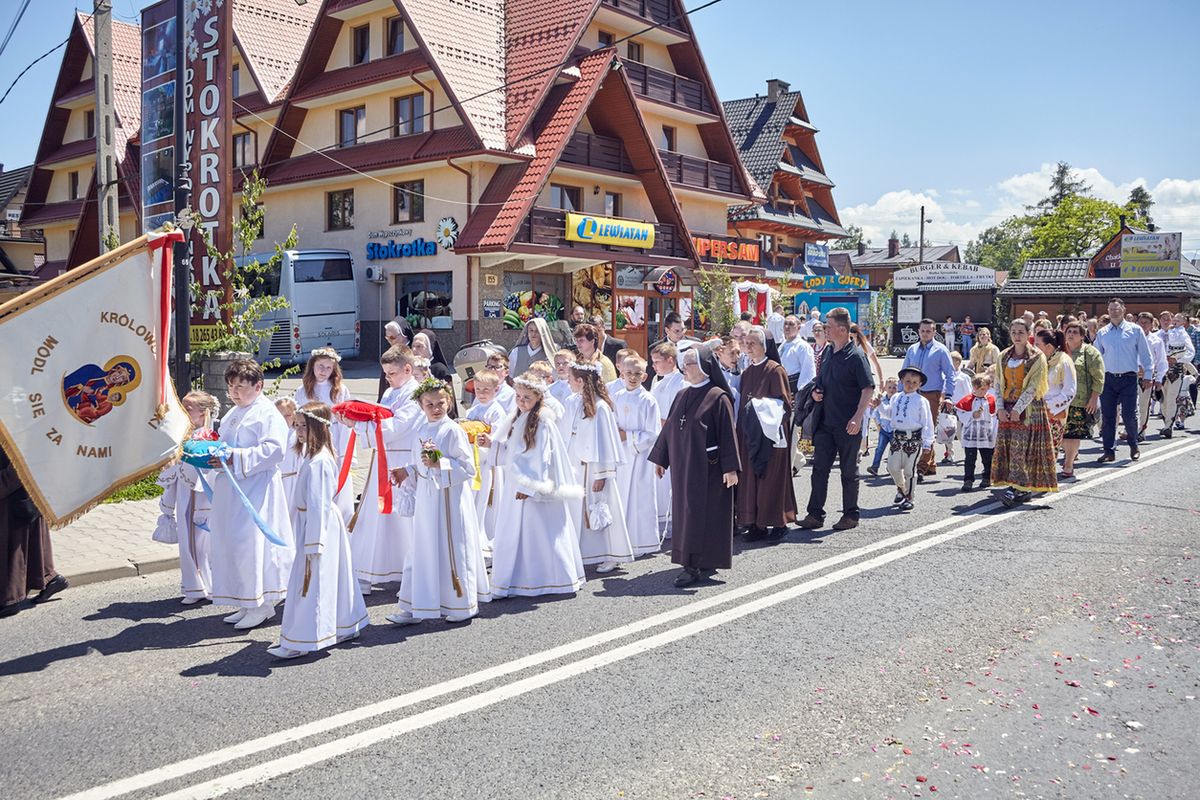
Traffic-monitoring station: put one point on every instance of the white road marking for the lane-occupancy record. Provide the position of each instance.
(241, 750)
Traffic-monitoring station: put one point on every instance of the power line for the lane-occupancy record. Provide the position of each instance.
(35, 61)
(13, 28)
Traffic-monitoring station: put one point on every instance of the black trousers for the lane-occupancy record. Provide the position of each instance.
(827, 445)
(969, 468)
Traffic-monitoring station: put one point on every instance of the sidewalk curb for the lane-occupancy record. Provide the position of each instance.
(130, 570)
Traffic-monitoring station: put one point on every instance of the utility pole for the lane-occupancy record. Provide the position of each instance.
(183, 198)
(106, 151)
(921, 243)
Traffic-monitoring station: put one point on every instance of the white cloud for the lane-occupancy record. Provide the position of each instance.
(962, 214)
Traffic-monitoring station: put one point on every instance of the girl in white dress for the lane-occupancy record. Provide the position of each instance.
(542, 372)
(560, 390)
(594, 448)
(324, 606)
(379, 543)
(322, 383)
(536, 549)
(184, 507)
(444, 575)
(639, 424)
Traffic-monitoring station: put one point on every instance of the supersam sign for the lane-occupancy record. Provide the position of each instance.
(602, 230)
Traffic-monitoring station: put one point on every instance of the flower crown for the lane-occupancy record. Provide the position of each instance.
(429, 385)
(587, 366)
(532, 384)
(325, 352)
(314, 417)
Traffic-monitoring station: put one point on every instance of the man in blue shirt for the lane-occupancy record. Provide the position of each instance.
(933, 359)
(1126, 351)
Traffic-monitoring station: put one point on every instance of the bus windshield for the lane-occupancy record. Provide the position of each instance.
(323, 269)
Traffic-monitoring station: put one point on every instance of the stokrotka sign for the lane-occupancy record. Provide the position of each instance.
(378, 251)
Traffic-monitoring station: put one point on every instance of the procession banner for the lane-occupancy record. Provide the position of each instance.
(90, 407)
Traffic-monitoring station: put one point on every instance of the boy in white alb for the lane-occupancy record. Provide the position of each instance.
(249, 571)
(668, 382)
(487, 500)
(962, 388)
(560, 390)
(912, 435)
(977, 414)
(616, 385)
(638, 423)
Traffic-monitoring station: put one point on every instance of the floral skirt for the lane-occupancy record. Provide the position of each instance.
(1025, 453)
(1080, 424)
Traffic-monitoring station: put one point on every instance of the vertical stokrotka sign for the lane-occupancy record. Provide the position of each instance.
(203, 74)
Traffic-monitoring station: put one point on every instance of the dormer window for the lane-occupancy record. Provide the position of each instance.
(360, 39)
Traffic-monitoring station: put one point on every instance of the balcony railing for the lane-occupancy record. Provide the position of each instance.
(655, 10)
(548, 226)
(658, 84)
(599, 152)
(692, 171)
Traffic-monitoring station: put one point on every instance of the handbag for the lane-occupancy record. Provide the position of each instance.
(599, 516)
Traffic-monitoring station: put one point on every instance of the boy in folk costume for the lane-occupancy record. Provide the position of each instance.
(912, 435)
(638, 423)
(444, 575)
(379, 543)
(881, 412)
(536, 550)
(594, 447)
(324, 606)
(668, 382)
(248, 571)
(291, 461)
(322, 382)
(185, 508)
(977, 415)
(487, 409)
(560, 390)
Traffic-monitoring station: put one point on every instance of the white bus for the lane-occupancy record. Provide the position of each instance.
(322, 310)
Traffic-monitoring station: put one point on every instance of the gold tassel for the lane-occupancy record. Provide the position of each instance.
(160, 413)
(307, 575)
(450, 545)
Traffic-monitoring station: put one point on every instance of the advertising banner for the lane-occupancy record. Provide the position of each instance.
(816, 256)
(1151, 255)
(603, 230)
(945, 273)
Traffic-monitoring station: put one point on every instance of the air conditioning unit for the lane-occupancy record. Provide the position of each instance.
(375, 274)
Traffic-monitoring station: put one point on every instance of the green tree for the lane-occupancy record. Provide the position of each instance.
(854, 235)
(1063, 184)
(715, 299)
(1140, 203)
(879, 317)
(1075, 228)
(1001, 246)
(906, 241)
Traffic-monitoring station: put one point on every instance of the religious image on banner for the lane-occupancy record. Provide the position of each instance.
(753, 299)
(90, 407)
(591, 287)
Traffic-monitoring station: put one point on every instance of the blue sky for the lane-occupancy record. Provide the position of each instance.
(961, 106)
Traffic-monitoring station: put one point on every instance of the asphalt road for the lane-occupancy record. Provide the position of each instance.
(958, 651)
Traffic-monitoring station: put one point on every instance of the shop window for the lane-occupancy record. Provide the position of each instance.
(73, 182)
(243, 150)
(634, 52)
(339, 210)
(668, 139)
(425, 299)
(568, 198)
(612, 204)
(395, 36)
(408, 114)
(235, 80)
(361, 44)
(605, 38)
(527, 296)
(89, 124)
(408, 202)
(352, 125)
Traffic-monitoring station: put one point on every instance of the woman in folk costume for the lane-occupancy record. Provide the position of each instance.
(324, 606)
(184, 507)
(1060, 381)
(1024, 460)
(536, 549)
(444, 575)
(536, 344)
(323, 383)
(490, 411)
(594, 448)
(248, 571)
(699, 445)
(379, 543)
(638, 422)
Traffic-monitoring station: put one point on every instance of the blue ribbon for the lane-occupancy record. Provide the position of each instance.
(221, 453)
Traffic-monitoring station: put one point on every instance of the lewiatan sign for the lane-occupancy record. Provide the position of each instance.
(603, 230)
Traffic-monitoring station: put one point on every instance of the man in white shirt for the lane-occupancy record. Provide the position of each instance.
(1158, 356)
(806, 330)
(796, 355)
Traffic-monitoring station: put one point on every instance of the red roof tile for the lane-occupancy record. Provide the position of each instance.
(127, 70)
(271, 35)
(50, 212)
(538, 38)
(340, 80)
(372, 156)
(71, 150)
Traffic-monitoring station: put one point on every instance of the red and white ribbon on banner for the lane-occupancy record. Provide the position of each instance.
(166, 263)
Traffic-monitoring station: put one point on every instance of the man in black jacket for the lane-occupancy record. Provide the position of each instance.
(609, 345)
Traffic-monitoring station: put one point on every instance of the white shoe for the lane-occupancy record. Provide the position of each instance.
(285, 652)
(349, 637)
(364, 587)
(606, 566)
(255, 617)
(458, 617)
(235, 616)
(191, 601)
(402, 618)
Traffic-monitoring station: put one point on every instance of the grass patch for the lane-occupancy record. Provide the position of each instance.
(145, 489)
